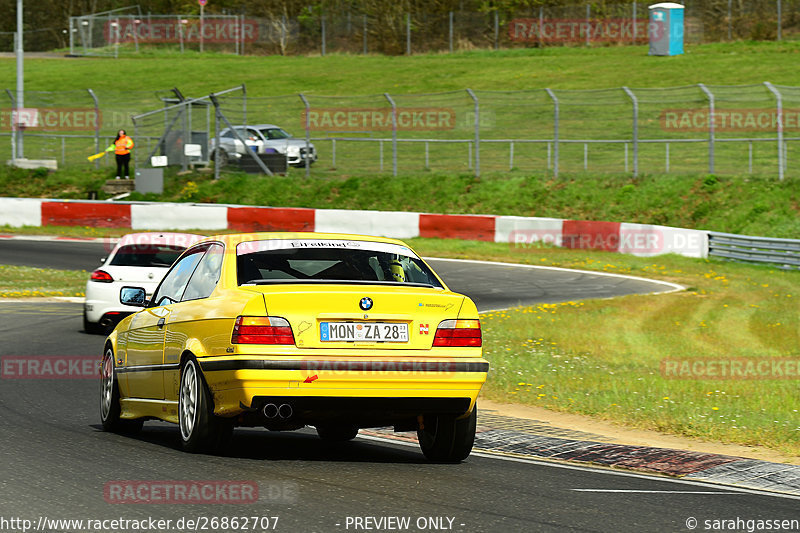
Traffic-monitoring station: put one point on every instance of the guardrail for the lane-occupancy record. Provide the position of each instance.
(784, 253)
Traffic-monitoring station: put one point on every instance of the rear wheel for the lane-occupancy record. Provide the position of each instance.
(337, 433)
(446, 438)
(220, 157)
(110, 408)
(91, 327)
(201, 430)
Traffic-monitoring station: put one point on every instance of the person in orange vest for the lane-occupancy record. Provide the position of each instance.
(122, 149)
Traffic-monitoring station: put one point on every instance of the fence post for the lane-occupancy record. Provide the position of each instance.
(13, 130)
(541, 25)
(365, 35)
(780, 22)
(180, 32)
(451, 32)
(394, 133)
(634, 23)
(241, 35)
(779, 106)
(408, 34)
(711, 126)
(635, 130)
(555, 131)
(730, 20)
(496, 30)
(588, 23)
(477, 133)
(132, 23)
(186, 135)
(235, 21)
(244, 104)
(216, 141)
(308, 132)
(97, 127)
(323, 35)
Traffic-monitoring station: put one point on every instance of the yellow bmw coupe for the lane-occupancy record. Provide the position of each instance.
(284, 330)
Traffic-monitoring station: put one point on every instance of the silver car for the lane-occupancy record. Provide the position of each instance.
(262, 139)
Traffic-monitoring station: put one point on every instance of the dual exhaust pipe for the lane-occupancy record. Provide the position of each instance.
(283, 411)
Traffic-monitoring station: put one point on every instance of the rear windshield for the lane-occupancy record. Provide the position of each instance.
(147, 255)
(326, 261)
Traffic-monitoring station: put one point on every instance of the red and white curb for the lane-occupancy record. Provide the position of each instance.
(520, 232)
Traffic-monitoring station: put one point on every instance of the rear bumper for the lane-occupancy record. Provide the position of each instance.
(368, 390)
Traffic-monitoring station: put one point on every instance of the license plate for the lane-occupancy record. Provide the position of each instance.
(363, 331)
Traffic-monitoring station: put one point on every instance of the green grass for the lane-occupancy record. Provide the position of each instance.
(755, 206)
(28, 282)
(342, 74)
(603, 358)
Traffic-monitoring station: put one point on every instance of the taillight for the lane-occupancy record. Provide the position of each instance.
(102, 276)
(262, 330)
(458, 333)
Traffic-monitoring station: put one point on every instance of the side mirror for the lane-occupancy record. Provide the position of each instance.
(135, 296)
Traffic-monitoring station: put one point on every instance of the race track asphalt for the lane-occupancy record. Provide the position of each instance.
(57, 463)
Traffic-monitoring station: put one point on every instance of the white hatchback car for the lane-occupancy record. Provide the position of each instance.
(139, 259)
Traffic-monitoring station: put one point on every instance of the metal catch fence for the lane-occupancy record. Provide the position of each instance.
(722, 130)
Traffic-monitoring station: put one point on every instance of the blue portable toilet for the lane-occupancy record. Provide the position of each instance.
(666, 29)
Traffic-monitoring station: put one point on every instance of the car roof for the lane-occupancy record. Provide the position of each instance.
(257, 126)
(162, 237)
(236, 238)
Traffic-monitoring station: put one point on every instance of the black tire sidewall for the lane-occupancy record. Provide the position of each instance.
(111, 421)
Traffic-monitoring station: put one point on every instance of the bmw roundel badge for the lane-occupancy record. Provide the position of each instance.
(365, 304)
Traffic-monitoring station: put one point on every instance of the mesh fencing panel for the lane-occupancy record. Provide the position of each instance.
(649, 130)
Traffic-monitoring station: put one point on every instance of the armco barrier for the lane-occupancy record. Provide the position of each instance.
(784, 253)
(519, 232)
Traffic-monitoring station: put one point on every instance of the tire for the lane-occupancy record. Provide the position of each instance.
(220, 157)
(201, 430)
(93, 328)
(337, 433)
(109, 400)
(446, 438)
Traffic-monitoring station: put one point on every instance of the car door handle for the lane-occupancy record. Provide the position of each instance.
(161, 322)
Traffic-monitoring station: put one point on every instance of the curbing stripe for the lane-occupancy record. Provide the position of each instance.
(95, 214)
(254, 219)
(637, 239)
(467, 227)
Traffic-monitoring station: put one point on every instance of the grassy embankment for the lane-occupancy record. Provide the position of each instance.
(359, 82)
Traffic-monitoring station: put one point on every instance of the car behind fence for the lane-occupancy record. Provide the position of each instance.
(724, 130)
